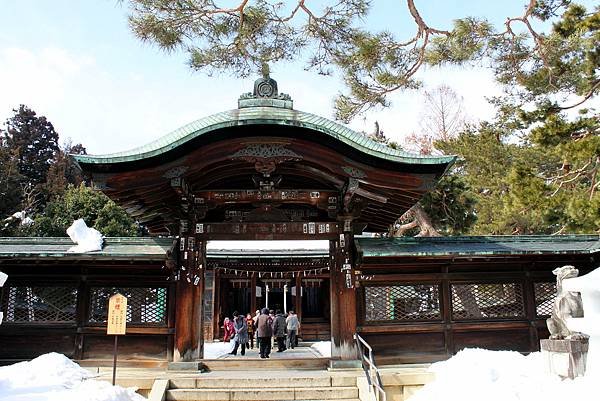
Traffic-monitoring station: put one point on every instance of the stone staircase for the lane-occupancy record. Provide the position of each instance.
(264, 385)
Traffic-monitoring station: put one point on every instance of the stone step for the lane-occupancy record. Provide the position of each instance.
(263, 364)
(264, 394)
(261, 382)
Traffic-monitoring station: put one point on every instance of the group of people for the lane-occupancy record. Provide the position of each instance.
(267, 325)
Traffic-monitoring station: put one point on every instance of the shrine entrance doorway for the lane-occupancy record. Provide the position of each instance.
(277, 275)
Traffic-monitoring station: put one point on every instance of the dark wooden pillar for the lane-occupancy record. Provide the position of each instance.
(83, 305)
(185, 348)
(343, 298)
(189, 344)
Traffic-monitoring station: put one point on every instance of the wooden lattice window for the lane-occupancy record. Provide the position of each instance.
(22, 304)
(545, 293)
(487, 301)
(145, 305)
(407, 302)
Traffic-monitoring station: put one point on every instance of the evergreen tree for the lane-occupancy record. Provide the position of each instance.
(10, 182)
(81, 202)
(34, 141)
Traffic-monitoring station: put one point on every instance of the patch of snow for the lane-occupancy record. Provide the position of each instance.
(18, 215)
(589, 287)
(87, 239)
(21, 216)
(216, 350)
(3, 278)
(54, 377)
(323, 348)
(476, 374)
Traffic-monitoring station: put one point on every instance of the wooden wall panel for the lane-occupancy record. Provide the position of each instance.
(385, 345)
(513, 340)
(130, 347)
(31, 345)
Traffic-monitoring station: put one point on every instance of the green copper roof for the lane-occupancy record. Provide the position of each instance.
(126, 248)
(263, 115)
(474, 246)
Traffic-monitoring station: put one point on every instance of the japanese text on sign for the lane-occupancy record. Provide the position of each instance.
(117, 315)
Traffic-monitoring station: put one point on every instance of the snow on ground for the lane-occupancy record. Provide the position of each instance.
(323, 348)
(217, 349)
(54, 377)
(477, 374)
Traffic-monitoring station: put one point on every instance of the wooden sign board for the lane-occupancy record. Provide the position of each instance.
(117, 315)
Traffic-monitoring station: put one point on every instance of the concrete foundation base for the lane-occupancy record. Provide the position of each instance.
(185, 366)
(345, 364)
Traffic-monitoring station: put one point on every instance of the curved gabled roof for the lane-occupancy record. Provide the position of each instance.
(269, 116)
(224, 152)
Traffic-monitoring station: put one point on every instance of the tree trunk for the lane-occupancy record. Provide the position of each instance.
(414, 217)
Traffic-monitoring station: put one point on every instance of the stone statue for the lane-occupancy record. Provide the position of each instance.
(566, 305)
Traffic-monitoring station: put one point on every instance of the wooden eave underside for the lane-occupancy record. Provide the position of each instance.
(146, 192)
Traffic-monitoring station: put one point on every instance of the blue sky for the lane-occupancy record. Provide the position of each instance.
(77, 63)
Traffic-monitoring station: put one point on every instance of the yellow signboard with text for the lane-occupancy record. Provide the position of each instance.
(117, 315)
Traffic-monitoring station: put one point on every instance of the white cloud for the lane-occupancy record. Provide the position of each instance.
(91, 101)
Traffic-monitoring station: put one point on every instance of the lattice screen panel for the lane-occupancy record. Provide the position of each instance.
(39, 304)
(487, 301)
(402, 303)
(544, 298)
(144, 305)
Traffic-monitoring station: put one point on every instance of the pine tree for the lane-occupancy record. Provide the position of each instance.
(34, 141)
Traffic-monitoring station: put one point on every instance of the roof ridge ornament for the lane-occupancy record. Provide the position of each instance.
(265, 94)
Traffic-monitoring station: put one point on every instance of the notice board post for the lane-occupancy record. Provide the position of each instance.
(117, 321)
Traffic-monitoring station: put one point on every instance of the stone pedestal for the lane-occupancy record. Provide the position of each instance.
(566, 358)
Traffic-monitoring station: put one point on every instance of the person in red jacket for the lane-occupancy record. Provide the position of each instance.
(228, 330)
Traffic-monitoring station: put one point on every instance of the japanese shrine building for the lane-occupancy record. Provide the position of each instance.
(265, 171)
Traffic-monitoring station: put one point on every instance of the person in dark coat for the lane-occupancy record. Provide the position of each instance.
(241, 333)
(279, 331)
(264, 333)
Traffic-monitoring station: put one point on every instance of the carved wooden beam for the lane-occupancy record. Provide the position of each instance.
(267, 231)
(312, 197)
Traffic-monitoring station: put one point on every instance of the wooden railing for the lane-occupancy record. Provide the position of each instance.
(371, 371)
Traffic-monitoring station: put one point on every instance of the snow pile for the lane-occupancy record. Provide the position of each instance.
(217, 349)
(589, 288)
(53, 377)
(87, 239)
(323, 348)
(477, 374)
